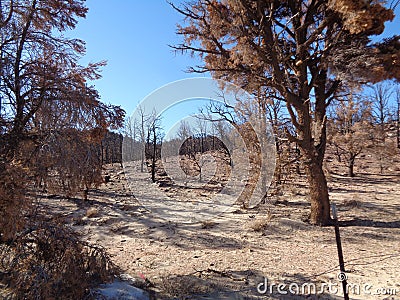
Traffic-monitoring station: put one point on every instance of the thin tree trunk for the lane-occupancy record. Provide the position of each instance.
(351, 167)
(264, 156)
(153, 163)
(339, 157)
(381, 163)
(278, 168)
(143, 143)
(398, 118)
(298, 160)
(200, 174)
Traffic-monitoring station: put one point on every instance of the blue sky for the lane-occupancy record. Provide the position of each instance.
(133, 36)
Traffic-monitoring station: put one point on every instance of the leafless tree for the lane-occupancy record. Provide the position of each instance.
(144, 120)
(351, 128)
(154, 143)
(383, 116)
(380, 98)
(51, 126)
(130, 136)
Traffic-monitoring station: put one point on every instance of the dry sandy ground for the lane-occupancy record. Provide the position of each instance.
(230, 256)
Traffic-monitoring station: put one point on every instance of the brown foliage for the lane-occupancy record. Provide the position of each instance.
(69, 161)
(49, 261)
(301, 50)
(351, 130)
(361, 16)
(43, 88)
(355, 63)
(390, 58)
(51, 126)
(12, 199)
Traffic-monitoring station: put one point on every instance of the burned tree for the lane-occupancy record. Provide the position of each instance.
(398, 117)
(153, 144)
(300, 49)
(382, 113)
(51, 124)
(351, 128)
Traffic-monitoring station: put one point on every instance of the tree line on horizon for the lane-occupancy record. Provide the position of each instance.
(360, 121)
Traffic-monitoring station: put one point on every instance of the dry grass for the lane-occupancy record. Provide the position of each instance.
(92, 212)
(208, 224)
(182, 287)
(260, 225)
(351, 203)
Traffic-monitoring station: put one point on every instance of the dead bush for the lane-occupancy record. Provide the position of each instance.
(12, 199)
(208, 224)
(92, 212)
(68, 164)
(351, 203)
(259, 225)
(49, 261)
(182, 286)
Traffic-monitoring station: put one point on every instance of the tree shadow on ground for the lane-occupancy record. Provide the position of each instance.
(129, 218)
(346, 190)
(364, 178)
(248, 284)
(356, 222)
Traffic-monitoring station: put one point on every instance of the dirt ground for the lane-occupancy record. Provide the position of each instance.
(268, 252)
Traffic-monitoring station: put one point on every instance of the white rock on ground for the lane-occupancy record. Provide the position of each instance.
(120, 290)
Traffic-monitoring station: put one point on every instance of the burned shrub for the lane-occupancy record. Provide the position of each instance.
(49, 261)
(12, 199)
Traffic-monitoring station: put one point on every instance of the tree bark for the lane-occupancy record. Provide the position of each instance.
(351, 167)
(319, 197)
(312, 135)
(298, 160)
(398, 119)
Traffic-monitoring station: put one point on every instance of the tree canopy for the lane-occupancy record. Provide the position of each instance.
(51, 118)
(43, 87)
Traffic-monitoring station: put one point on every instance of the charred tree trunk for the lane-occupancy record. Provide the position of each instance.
(319, 197)
(297, 160)
(278, 168)
(200, 171)
(312, 142)
(350, 171)
(312, 147)
(154, 158)
(398, 119)
(143, 154)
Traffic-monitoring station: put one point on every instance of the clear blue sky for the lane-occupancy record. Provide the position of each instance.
(133, 36)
